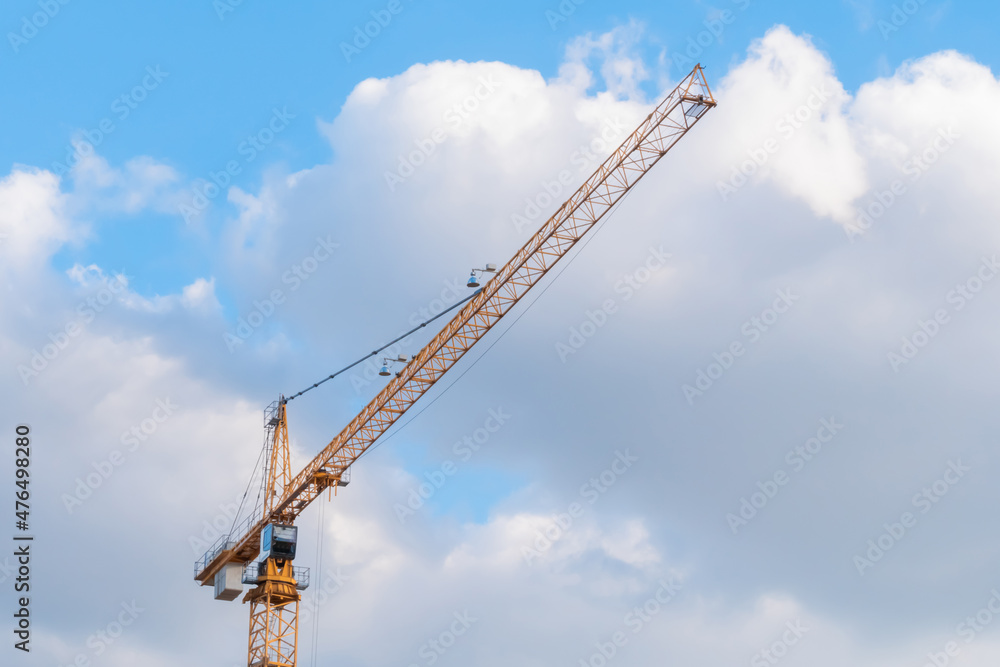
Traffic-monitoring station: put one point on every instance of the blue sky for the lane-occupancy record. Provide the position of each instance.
(226, 70)
(831, 220)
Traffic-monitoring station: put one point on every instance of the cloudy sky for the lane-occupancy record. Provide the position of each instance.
(751, 422)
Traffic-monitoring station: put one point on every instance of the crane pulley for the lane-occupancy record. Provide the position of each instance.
(257, 555)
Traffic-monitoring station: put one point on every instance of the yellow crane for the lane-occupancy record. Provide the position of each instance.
(262, 552)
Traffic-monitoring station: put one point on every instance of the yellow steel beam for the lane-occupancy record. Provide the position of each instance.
(656, 135)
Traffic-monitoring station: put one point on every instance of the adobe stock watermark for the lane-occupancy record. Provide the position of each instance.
(456, 116)
(364, 34)
(104, 638)
(321, 592)
(7, 569)
(463, 450)
(914, 167)
(434, 648)
(30, 25)
(214, 529)
(584, 157)
(715, 26)
(562, 12)
(591, 491)
(132, 439)
(786, 127)
(797, 458)
(224, 7)
(957, 298)
(627, 287)
(263, 309)
(900, 16)
(779, 648)
(636, 621)
(453, 292)
(752, 330)
(87, 141)
(205, 190)
(59, 340)
(925, 500)
(967, 631)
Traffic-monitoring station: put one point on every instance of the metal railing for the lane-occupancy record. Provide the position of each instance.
(226, 542)
(251, 575)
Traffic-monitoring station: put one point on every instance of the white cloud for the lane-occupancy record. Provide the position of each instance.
(786, 92)
(141, 183)
(621, 390)
(33, 218)
(621, 67)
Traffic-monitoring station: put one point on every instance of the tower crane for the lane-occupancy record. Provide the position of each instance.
(261, 552)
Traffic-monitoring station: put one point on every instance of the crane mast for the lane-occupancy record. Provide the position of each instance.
(261, 553)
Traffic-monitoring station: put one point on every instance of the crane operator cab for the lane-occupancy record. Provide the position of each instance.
(277, 544)
(277, 549)
(278, 541)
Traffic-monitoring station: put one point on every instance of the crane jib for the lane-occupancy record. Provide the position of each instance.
(656, 134)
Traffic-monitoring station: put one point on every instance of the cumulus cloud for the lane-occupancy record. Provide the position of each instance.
(33, 219)
(431, 167)
(787, 104)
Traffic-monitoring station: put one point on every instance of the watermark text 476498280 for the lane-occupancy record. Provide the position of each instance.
(22, 540)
